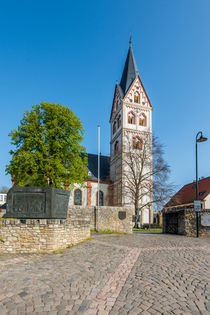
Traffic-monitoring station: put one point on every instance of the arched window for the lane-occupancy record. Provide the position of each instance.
(101, 198)
(131, 118)
(137, 143)
(118, 121)
(136, 98)
(78, 197)
(114, 127)
(142, 120)
(116, 147)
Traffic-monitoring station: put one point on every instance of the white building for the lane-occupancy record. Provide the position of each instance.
(3, 198)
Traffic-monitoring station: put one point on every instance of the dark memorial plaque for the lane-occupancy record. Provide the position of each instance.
(29, 203)
(37, 203)
(122, 215)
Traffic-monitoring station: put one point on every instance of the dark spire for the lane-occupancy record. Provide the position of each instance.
(130, 70)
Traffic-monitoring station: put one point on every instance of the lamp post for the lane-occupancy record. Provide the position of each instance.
(198, 139)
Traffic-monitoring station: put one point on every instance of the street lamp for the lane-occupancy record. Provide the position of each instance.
(198, 139)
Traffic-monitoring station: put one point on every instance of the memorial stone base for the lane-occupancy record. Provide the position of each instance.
(43, 235)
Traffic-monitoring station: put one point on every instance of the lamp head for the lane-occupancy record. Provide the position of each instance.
(201, 139)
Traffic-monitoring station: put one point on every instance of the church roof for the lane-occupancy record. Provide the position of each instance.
(130, 71)
(93, 166)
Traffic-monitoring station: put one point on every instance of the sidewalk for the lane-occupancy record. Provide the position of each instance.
(111, 274)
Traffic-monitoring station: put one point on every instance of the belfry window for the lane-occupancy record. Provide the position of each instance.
(137, 143)
(137, 98)
(78, 197)
(116, 147)
(131, 118)
(101, 198)
(118, 121)
(114, 127)
(142, 120)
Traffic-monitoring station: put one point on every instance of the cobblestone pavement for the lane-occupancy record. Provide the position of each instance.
(111, 274)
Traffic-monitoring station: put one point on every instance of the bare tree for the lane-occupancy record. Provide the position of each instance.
(4, 189)
(145, 173)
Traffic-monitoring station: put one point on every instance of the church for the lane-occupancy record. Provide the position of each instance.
(130, 122)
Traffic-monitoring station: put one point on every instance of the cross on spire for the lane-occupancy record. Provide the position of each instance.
(130, 39)
(130, 71)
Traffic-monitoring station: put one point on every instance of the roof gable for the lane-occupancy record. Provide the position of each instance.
(126, 97)
(118, 96)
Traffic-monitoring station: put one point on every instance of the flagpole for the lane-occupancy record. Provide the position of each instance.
(98, 177)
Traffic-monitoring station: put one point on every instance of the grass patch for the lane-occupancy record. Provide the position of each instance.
(106, 232)
(87, 239)
(148, 230)
(58, 251)
(8, 219)
(69, 246)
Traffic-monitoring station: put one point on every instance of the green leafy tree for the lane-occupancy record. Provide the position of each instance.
(48, 148)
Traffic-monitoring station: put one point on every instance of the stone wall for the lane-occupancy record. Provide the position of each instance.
(183, 222)
(190, 223)
(43, 235)
(110, 218)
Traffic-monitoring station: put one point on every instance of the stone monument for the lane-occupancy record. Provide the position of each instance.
(37, 203)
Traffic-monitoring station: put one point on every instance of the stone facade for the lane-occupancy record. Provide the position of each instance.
(110, 218)
(190, 223)
(183, 222)
(32, 235)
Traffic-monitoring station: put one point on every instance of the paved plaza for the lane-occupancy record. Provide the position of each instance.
(111, 274)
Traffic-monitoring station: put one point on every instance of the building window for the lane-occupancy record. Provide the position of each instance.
(5, 198)
(142, 120)
(119, 121)
(114, 127)
(116, 147)
(1, 197)
(78, 197)
(101, 198)
(137, 98)
(131, 118)
(137, 143)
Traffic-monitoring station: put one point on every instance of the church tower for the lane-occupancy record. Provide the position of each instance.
(131, 118)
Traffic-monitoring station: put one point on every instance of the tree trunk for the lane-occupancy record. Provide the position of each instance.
(136, 213)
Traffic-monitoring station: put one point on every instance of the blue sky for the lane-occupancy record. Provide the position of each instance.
(72, 52)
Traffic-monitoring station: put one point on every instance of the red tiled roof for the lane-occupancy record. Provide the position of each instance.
(187, 194)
